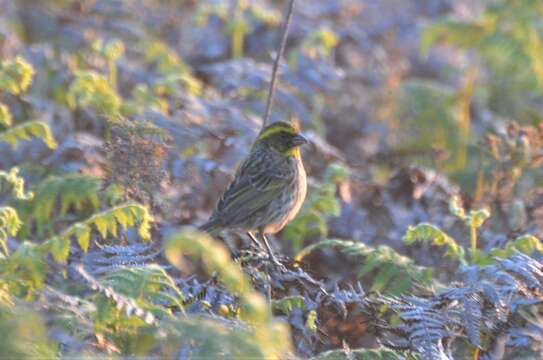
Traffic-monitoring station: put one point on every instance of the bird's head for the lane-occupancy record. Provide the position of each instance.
(283, 137)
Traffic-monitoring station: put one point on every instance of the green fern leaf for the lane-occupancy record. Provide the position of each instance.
(16, 75)
(270, 337)
(526, 244)
(288, 303)
(428, 232)
(60, 248)
(16, 183)
(28, 131)
(463, 35)
(82, 234)
(390, 272)
(5, 116)
(199, 244)
(24, 271)
(105, 222)
(150, 286)
(9, 226)
(94, 90)
(73, 191)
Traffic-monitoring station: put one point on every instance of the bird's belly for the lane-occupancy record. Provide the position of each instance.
(294, 199)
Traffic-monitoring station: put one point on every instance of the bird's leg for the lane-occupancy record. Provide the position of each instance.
(255, 241)
(270, 251)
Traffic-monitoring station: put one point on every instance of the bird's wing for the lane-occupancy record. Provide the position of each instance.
(257, 183)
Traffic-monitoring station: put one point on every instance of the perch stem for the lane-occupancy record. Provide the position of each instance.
(282, 45)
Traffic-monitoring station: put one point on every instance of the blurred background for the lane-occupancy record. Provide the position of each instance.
(409, 98)
(406, 103)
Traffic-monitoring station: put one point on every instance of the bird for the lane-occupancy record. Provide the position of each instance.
(268, 189)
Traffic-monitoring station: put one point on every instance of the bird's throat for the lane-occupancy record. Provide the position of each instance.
(294, 152)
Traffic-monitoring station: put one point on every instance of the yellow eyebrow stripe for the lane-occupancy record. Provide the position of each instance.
(270, 132)
(278, 128)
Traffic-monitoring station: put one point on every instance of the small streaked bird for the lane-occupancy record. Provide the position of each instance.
(268, 189)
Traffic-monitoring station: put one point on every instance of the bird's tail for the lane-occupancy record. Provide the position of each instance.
(212, 227)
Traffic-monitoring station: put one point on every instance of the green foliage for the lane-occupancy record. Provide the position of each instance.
(131, 302)
(5, 116)
(105, 223)
(269, 338)
(509, 40)
(28, 131)
(9, 226)
(321, 42)
(111, 51)
(430, 118)
(25, 270)
(383, 267)
(474, 219)
(362, 354)
(24, 335)
(526, 244)
(55, 196)
(240, 19)
(288, 303)
(425, 232)
(119, 319)
(10, 223)
(6, 299)
(15, 75)
(320, 204)
(150, 286)
(94, 90)
(207, 338)
(171, 69)
(461, 34)
(15, 183)
(145, 99)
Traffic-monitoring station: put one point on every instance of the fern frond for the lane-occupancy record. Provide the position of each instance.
(425, 232)
(9, 225)
(93, 89)
(461, 34)
(105, 223)
(199, 244)
(525, 269)
(6, 299)
(171, 68)
(150, 286)
(72, 191)
(15, 75)
(5, 116)
(28, 131)
(487, 301)
(425, 323)
(25, 335)
(25, 270)
(526, 244)
(111, 257)
(271, 338)
(288, 303)
(16, 184)
(124, 303)
(391, 272)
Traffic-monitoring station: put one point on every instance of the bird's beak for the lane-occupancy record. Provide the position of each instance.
(299, 140)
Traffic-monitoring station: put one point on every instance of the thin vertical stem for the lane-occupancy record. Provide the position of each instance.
(274, 78)
(473, 238)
